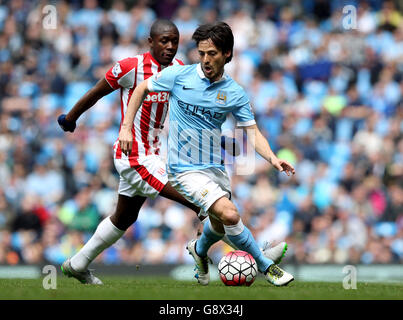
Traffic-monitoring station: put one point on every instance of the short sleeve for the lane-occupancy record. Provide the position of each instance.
(243, 111)
(164, 80)
(122, 74)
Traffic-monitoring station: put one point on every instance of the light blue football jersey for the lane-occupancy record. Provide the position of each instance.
(197, 109)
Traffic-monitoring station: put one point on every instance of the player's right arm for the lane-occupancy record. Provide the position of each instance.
(121, 75)
(162, 81)
(136, 100)
(68, 121)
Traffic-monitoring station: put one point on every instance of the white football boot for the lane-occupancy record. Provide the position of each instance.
(277, 276)
(276, 253)
(85, 277)
(202, 273)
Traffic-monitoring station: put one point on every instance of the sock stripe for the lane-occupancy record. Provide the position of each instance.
(235, 229)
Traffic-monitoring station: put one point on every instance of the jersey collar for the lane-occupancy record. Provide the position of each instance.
(202, 76)
(157, 63)
(152, 58)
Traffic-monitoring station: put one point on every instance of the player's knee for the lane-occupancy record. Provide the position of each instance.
(122, 222)
(230, 216)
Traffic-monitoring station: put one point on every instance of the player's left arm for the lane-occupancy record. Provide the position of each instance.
(263, 148)
(246, 119)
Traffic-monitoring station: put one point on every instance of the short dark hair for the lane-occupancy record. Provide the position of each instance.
(220, 34)
(159, 24)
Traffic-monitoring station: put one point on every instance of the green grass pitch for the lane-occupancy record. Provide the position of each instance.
(165, 288)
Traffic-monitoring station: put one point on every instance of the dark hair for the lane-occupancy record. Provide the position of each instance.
(158, 26)
(220, 34)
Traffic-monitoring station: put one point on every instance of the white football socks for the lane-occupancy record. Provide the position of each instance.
(105, 235)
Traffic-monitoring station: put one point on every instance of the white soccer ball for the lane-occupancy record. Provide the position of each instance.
(237, 268)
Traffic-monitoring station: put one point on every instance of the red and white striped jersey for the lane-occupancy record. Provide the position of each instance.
(125, 75)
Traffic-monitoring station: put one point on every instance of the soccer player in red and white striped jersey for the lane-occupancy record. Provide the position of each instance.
(125, 75)
(149, 175)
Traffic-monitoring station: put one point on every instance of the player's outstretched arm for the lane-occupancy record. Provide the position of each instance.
(262, 147)
(68, 121)
(125, 134)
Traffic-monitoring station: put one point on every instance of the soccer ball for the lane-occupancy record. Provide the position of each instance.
(237, 268)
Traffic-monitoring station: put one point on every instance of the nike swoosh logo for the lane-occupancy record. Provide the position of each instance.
(186, 88)
(247, 240)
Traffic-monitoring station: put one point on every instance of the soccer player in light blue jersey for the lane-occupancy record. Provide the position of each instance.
(201, 96)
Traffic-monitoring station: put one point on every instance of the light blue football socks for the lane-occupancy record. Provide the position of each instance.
(244, 240)
(207, 239)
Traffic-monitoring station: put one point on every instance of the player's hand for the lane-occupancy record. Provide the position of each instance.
(283, 166)
(65, 124)
(125, 141)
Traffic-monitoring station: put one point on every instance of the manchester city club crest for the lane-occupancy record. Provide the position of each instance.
(221, 97)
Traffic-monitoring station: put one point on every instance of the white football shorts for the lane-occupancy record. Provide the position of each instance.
(144, 176)
(202, 187)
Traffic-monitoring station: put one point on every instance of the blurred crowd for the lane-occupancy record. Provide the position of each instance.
(326, 89)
